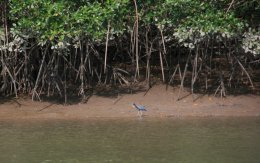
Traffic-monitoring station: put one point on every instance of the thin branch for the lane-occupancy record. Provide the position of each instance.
(107, 38)
(230, 6)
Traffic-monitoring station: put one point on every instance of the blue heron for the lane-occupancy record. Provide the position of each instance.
(140, 109)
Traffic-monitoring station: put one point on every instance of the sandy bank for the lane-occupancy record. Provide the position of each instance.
(159, 102)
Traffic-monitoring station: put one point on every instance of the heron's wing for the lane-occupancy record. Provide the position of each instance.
(143, 108)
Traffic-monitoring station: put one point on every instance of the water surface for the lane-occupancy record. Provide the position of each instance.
(211, 140)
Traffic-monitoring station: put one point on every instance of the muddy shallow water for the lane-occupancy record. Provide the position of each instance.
(132, 140)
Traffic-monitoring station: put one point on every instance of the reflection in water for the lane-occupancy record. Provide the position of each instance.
(132, 140)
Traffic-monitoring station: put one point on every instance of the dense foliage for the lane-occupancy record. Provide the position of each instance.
(46, 43)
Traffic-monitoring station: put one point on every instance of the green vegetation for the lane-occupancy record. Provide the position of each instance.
(51, 46)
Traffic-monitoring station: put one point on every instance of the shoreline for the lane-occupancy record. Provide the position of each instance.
(159, 102)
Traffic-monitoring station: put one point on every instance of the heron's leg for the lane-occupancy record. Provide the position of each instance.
(140, 114)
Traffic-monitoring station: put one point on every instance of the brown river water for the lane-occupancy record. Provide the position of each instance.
(133, 140)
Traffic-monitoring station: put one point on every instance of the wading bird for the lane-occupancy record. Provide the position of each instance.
(140, 109)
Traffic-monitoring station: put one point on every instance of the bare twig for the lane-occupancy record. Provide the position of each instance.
(230, 6)
(243, 68)
(107, 38)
